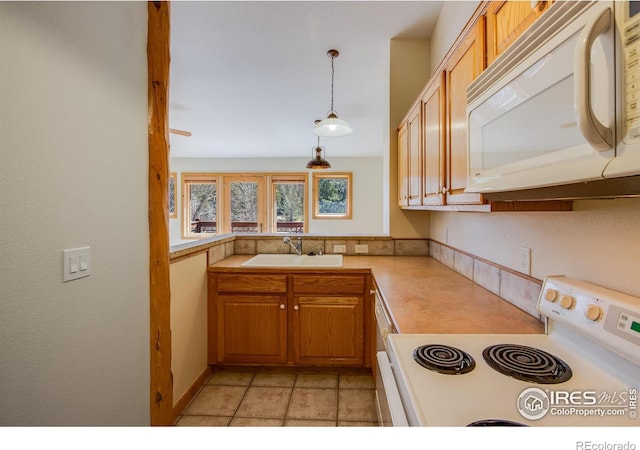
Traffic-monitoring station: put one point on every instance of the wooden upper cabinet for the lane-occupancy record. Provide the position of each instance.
(414, 171)
(403, 165)
(507, 20)
(410, 159)
(434, 140)
(465, 64)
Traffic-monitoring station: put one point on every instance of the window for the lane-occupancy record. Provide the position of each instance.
(245, 211)
(289, 205)
(173, 212)
(200, 205)
(332, 195)
(243, 203)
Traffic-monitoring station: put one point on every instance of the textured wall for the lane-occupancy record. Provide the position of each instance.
(73, 173)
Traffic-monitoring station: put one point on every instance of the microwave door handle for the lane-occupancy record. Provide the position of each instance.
(599, 136)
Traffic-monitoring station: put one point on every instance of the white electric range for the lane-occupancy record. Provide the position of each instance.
(587, 366)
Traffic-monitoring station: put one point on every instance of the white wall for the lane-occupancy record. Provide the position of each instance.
(453, 17)
(73, 172)
(367, 214)
(599, 241)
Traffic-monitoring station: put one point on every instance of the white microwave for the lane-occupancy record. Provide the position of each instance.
(561, 105)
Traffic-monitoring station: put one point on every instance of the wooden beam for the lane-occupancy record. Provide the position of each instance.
(161, 386)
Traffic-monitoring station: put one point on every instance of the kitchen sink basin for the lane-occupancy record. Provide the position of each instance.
(280, 260)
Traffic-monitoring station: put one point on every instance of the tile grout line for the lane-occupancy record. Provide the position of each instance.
(286, 411)
(235, 411)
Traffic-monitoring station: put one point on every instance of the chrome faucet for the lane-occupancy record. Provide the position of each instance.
(297, 246)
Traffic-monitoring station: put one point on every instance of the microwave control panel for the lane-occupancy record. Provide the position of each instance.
(630, 29)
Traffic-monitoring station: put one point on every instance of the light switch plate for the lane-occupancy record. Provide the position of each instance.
(76, 263)
(339, 249)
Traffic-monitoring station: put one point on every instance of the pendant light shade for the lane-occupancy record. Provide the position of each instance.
(332, 125)
(318, 161)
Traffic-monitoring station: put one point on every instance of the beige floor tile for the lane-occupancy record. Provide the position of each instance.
(309, 423)
(203, 421)
(274, 379)
(255, 422)
(317, 381)
(230, 378)
(216, 401)
(307, 403)
(262, 401)
(346, 423)
(356, 382)
(357, 405)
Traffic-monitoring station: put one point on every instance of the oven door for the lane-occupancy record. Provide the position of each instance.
(390, 407)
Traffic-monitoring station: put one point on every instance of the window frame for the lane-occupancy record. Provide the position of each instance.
(316, 192)
(225, 213)
(273, 207)
(200, 178)
(267, 195)
(173, 195)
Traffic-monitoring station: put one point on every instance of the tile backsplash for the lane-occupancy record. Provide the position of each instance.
(519, 290)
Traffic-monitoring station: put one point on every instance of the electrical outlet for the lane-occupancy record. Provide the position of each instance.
(524, 260)
(339, 249)
(362, 248)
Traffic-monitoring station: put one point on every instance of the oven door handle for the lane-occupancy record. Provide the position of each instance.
(398, 416)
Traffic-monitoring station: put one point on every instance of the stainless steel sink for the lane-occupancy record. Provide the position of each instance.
(280, 260)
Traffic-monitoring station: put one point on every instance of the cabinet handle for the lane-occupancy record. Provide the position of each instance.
(282, 306)
(295, 308)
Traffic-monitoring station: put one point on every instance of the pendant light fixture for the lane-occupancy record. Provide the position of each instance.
(318, 161)
(332, 125)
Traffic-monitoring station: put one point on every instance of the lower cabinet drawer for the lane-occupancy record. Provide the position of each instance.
(329, 284)
(250, 283)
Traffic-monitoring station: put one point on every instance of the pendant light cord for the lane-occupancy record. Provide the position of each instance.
(332, 72)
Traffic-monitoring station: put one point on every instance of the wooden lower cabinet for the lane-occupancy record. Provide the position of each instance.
(328, 330)
(319, 319)
(252, 328)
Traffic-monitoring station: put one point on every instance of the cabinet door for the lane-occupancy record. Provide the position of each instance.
(434, 132)
(507, 20)
(252, 329)
(328, 330)
(403, 165)
(466, 63)
(415, 156)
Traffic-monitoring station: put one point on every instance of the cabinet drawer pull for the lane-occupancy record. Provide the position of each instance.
(295, 308)
(282, 306)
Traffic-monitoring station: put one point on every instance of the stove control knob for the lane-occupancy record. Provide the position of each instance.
(567, 302)
(551, 295)
(593, 312)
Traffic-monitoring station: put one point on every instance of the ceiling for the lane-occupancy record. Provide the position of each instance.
(248, 79)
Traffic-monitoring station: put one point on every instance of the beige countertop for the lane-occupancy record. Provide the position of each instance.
(425, 296)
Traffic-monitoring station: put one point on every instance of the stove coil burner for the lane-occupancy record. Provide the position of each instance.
(444, 359)
(527, 364)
